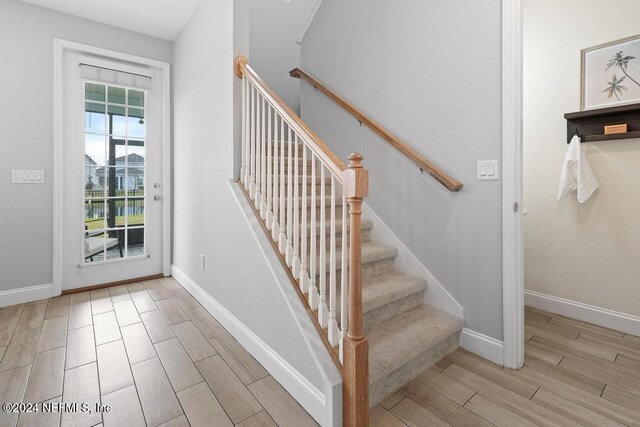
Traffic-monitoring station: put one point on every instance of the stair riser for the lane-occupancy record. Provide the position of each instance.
(300, 162)
(327, 213)
(301, 170)
(318, 186)
(370, 269)
(381, 314)
(365, 235)
(318, 189)
(392, 382)
(396, 308)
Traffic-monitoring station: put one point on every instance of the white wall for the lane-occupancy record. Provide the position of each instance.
(586, 253)
(275, 27)
(26, 127)
(430, 73)
(207, 219)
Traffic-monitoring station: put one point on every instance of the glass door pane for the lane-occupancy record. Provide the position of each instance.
(114, 182)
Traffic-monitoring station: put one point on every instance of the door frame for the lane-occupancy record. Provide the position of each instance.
(512, 190)
(60, 46)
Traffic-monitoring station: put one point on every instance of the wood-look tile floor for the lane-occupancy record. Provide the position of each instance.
(148, 350)
(574, 374)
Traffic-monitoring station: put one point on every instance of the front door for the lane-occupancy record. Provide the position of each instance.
(113, 173)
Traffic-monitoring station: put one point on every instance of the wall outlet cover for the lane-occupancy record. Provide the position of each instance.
(20, 176)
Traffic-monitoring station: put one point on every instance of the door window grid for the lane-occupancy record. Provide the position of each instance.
(114, 213)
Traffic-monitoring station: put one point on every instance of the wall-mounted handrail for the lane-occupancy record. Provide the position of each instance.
(450, 183)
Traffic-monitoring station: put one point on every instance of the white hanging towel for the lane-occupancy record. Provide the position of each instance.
(576, 173)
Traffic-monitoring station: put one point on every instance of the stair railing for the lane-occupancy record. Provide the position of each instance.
(286, 172)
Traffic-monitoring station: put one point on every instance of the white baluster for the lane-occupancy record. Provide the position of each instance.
(282, 238)
(275, 225)
(247, 126)
(289, 251)
(304, 274)
(344, 273)
(333, 324)
(254, 156)
(259, 153)
(269, 207)
(243, 168)
(323, 312)
(263, 162)
(314, 298)
(295, 262)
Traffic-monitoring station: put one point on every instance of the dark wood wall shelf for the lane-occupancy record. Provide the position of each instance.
(590, 123)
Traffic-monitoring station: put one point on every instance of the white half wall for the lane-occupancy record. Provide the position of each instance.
(208, 219)
(26, 133)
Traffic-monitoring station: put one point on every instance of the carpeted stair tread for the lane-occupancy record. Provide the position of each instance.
(386, 288)
(401, 339)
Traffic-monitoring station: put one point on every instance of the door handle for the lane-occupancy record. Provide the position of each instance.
(157, 198)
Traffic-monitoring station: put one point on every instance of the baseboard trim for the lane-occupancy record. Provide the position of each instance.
(482, 345)
(28, 294)
(311, 399)
(604, 317)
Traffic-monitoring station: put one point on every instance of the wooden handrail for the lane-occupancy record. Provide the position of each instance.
(331, 161)
(450, 183)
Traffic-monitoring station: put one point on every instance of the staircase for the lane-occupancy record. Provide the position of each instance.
(377, 329)
(405, 336)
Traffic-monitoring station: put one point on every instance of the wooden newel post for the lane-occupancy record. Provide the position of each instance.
(356, 346)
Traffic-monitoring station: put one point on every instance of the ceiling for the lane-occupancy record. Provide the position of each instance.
(163, 19)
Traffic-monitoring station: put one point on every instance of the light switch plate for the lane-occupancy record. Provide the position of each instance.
(19, 176)
(488, 170)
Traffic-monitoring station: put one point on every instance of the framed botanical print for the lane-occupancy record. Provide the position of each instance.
(611, 74)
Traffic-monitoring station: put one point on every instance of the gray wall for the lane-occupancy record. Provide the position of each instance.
(207, 218)
(431, 73)
(275, 27)
(26, 127)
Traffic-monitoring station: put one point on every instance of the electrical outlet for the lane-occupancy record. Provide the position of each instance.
(488, 170)
(202, 261)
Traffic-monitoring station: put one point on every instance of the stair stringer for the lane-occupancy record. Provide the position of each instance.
(435, 295)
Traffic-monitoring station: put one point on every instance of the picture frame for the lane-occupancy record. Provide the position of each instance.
(610, 74)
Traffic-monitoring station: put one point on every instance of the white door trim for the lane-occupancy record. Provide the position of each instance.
(512, 234)
(59, 47)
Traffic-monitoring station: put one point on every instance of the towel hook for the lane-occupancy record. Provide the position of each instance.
(578, 133)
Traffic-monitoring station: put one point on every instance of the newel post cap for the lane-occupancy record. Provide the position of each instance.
(238, 63)
(356, 178)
